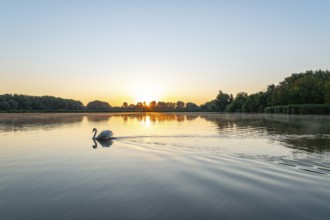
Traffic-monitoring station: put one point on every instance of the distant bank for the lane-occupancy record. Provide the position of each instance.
(300, 93)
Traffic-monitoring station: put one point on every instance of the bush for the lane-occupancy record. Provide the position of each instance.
(304, 109)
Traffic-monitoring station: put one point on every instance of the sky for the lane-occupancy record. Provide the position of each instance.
(117, 51)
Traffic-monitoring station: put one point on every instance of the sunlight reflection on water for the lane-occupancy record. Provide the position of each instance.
(164, 166)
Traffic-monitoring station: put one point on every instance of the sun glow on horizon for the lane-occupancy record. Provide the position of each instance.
(147, 92)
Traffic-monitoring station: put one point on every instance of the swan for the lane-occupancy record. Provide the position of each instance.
(104, 135)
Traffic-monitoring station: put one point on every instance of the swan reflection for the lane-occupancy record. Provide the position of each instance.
(103, 143)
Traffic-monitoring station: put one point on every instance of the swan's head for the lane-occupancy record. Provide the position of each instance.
(94, 129)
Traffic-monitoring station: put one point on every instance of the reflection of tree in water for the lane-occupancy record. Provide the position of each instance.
(312, 145)
(297, 132)
(98, 117)
(180, 118)
(159, 117)
(127, 117)
(32, 121)
(191, 117)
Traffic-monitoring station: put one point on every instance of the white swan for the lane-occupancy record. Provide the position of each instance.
(104, 135)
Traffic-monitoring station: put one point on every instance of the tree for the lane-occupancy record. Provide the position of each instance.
(98, 106)
(160, 106)
(13, 104)
(152, 104)
(327, 92)
(27, 103)
(180, 105)
(209, 106)
(190, 106)
(239, 104)
(4, 106)
(170, 106)
(301, 88)
(222, 101)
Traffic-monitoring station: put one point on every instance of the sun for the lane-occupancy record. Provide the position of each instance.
(147, 92)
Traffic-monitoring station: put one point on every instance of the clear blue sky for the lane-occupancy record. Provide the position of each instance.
(132, 51)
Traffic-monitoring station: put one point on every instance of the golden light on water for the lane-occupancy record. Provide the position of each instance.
(146, 122)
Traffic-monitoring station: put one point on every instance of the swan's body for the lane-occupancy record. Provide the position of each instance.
(104, 135)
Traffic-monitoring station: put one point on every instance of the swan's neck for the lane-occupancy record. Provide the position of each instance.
(95, 131)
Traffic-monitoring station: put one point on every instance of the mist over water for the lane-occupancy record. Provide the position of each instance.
(164, 166)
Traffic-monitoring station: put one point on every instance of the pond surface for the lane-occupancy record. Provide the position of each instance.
(164, 166)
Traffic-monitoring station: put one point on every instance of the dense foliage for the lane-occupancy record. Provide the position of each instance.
(303, 109)
(300, 93)
(9, 102)
(160, 106)
(98, 106)
(305, 88)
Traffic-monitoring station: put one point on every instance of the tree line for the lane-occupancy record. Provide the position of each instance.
(16, 102)
(160, 106)
(304, 93)
(308, 90)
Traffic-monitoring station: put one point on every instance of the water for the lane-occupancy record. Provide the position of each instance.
(164, 166)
